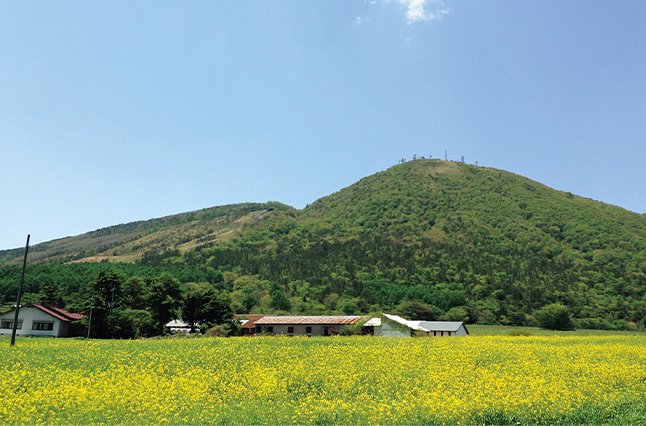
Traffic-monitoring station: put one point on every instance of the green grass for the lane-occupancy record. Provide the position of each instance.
(501, 330)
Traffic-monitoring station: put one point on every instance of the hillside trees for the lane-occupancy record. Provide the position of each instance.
(205, 306)
(163, 297)
(468, 241)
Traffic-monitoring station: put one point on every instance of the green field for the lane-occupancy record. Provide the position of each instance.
(500, 330)
(338, 380)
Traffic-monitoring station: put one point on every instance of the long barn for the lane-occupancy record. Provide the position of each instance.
(305, 325)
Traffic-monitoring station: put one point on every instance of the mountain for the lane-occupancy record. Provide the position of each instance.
(126, 242)
(461, 241)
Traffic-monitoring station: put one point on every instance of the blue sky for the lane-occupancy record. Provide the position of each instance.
(112, 112)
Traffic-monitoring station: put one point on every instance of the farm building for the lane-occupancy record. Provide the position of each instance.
(305, 325)
(38, 320)
(395, 326)
(445, 328)
(249, 327)
(178, 326)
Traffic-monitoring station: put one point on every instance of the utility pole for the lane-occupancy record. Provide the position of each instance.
(22, 279)
(89, 326)
(111, 305)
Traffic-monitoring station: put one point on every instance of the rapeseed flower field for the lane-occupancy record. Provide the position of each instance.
(335, 380)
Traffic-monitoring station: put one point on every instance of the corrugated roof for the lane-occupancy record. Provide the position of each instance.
(252, 320)
(336, 319)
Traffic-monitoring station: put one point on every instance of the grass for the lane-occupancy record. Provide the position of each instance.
(501, 330)
(338, 380)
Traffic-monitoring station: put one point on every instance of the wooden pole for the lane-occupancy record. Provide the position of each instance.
(22, 279)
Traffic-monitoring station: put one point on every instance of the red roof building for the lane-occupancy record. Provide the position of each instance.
(248, 327)
(38, 320)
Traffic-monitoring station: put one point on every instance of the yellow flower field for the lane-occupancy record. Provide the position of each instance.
(337, 380)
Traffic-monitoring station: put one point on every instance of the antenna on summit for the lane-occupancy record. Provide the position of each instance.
(446, 157)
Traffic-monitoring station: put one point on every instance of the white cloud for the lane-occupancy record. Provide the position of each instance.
(417, 12)
(361, 20)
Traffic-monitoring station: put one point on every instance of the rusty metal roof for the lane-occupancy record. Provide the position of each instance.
(331, 319)
(252, 320)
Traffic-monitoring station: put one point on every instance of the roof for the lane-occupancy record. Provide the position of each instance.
(57, 313)
(441, 325)
(332, 319)
(177, 323)
(425, 326)
(252, 320)
(411, 324)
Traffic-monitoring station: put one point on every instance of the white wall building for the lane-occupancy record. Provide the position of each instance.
(38, 320)
(395, 326)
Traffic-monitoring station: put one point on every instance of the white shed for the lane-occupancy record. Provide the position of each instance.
(396, 326)
(445, 328)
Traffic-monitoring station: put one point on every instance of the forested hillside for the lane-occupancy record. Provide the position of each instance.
(126, 242)
(426, 238)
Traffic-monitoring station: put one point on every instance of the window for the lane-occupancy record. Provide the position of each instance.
(46, 326)
(270, 329)
(8, 324)
(290, 329)
(308, 330)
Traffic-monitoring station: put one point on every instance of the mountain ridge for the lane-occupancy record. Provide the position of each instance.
(469, 243)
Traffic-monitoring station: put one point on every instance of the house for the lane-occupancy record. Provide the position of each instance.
(178, 326)
(396, 326)
(38, 320)
(249, 327)
(305, 325)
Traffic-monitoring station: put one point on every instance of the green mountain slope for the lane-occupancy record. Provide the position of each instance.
(449, 234)
(126, 242)
(472, 243)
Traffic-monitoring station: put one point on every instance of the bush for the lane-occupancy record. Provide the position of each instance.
(415, 310)
(554, 317)
(458, 313)
(217, 331)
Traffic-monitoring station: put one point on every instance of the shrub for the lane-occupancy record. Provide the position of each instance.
(554, 317)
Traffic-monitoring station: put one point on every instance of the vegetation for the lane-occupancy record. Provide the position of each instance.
(439, 239)
(334, 380)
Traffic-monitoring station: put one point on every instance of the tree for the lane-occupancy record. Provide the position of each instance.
(207, 307)
(139, 321)
(50, 295)
(554, 317)
(105, 304)
(192, 307)
(134, 292)
(163, 298)
(459, 313)
(278, 299)
(249, 302)
(415, 310)
(216, 310)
